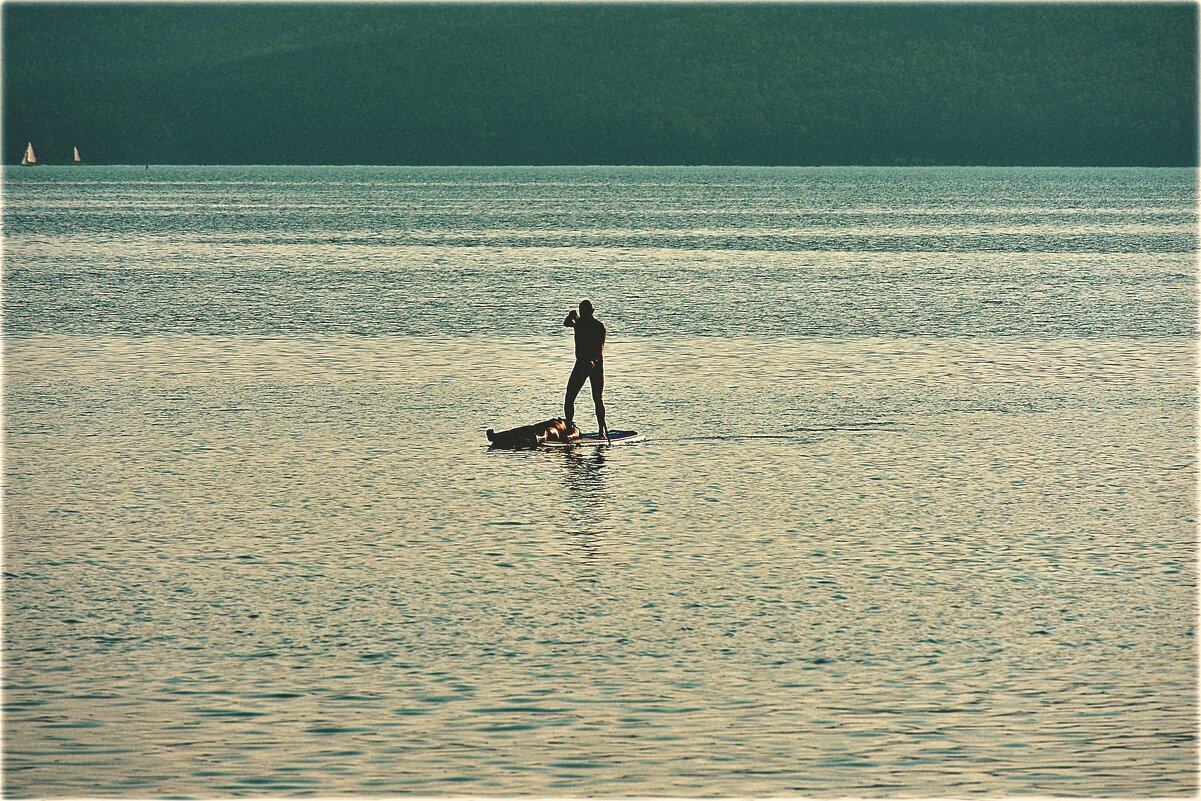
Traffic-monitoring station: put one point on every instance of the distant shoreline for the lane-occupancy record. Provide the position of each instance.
(673, 166)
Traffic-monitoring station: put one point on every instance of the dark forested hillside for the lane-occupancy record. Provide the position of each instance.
(603, 84)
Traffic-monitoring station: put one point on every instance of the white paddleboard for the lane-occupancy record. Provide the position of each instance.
(615, 438)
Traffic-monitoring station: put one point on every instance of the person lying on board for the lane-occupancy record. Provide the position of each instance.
(556, 430)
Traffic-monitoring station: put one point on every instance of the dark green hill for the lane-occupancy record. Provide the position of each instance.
(595, 84)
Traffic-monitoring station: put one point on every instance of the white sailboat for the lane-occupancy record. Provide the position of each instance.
(29, 159)
(77, 159)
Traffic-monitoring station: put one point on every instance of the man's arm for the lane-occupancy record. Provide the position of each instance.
(572, 317)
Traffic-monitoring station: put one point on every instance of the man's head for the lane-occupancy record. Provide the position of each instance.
(586, 308)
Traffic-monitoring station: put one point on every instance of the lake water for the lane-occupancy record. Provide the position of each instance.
(915, 514)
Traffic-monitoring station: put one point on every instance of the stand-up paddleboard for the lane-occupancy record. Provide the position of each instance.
(596, 438)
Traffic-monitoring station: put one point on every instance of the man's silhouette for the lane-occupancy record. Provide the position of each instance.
(589, 363)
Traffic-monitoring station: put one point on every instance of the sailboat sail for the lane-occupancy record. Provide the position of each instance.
(29, 157)
(76, 149)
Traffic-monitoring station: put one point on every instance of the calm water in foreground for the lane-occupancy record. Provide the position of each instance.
(915, 515)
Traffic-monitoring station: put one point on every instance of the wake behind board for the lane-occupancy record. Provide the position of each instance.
(615, 438)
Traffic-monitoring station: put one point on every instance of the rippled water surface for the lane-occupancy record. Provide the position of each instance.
(915, 514)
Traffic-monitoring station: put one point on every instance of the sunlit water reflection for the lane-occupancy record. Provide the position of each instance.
(885, 537)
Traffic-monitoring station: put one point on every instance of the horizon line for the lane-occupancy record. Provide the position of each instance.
(1195, 166)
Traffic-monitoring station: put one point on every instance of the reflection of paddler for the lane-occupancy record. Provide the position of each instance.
(585, 478)
(587, 510)
(556, 430)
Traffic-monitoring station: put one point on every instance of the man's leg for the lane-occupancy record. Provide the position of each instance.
(574, 383)
(597, 380)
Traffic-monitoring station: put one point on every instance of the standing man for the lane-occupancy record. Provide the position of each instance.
(589, 363)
